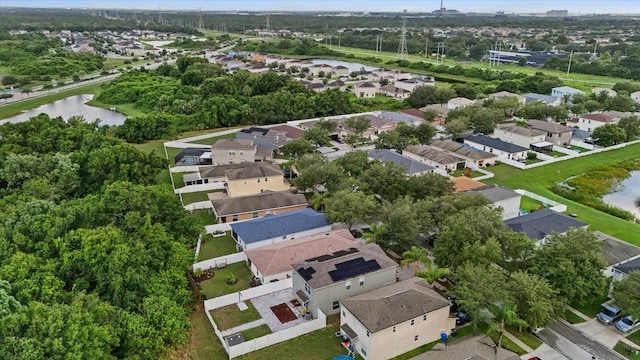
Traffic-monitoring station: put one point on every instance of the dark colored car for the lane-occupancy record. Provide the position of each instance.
(462, 318)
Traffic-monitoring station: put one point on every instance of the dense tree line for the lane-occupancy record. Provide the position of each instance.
(93, 254)
(195, 95)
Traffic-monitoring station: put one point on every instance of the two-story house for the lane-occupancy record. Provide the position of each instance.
(365, 89)
(273, 229)
(320, 283)
(568, 91)
(459, 102)
(496, 146)
(263, 138)
(395, 319)
(589, 122)
(233, 151)
(231, 209)
(522, 136)
(216, 173)
(254, 180)
(506, 199)
(556, 134)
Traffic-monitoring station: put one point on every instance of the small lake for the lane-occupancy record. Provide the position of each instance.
(352, 66)
(625, 194)
(71, 106)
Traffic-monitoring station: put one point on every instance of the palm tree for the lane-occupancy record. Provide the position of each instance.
(505, 314)
(376, 230)
(432, 273)
(416, 256)
(317, 200)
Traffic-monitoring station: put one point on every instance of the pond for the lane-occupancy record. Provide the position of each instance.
(352, 66)
(71, 106)
(625, 194)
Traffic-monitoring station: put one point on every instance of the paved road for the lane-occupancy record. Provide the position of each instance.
(574, 345)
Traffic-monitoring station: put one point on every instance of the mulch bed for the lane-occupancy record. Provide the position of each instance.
(283, 313)
(206, 275)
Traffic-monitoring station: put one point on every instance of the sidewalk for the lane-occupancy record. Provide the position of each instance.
(517, 341)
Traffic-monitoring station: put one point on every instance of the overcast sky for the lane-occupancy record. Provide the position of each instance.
(509, 6)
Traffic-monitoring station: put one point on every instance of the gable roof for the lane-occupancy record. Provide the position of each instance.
(495, 143)
(629, 266)
(462, 149)
(397, 117)
(463, 183)
(413, 112)
(411, 166)
(495, 193)
(377, 122)
(550, 127)
(567, 89)
(615, 250)
(521, 130)
(322, 272)
(433, 154)
(233, 144)
(478, 347)
(266, 200)
(365, 84)
(291, 131)
(501, 94)
(278, 258)
(253, 172)
(276, 225)
(598, 117)
(394, 304)
(461, 101)
(538, 224)
(221, 170)
(533, 97)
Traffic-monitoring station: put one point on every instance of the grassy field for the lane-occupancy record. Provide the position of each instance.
(572, 317)
(212, 140)
(538, 180)
(256, 332)
(214, 247)
(231, 316)
(526, 337)
(217, 285)
(189, 198)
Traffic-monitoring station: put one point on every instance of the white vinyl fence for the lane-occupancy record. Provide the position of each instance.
(220, 261)
(556, 206)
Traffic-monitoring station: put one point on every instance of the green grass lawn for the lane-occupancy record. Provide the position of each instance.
(189, 198)
(579, 149)
(528, 204)
(532, 161)
(526, 337)
(212, 140)
(177, 179)
(635, 337)
(204, 344)
(572, 317)
(506, 343)
(214, 247)
(626, 351)
(256, 332)
(217, 285)
(127, 109)
(538, 180)
(591, 308)
(148, 147)
(556, 154)
(203, 217)
(231, 316)
(461, 172)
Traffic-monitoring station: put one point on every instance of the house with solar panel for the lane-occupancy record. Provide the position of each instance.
(321, 282)
(275, 228)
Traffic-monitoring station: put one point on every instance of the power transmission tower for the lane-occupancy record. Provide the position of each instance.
(200, 22)
(268, 24)
(440, 53)
(403, 54)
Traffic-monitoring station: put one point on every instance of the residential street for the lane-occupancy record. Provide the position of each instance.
(574, 345)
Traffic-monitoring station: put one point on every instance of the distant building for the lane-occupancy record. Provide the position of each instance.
(519, 135)
(562, 91)
(588, 122)
(636, 96)
(545, 99)
(558, 13)
(233, 151)
(365, 89)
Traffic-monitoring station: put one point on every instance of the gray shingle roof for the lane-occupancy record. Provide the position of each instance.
(221, 170)
(254, 172)
(394, 304)
(433, 154)
(538, 224)
(547, 126)
(521, 130)
(233, 144)
(272, 226)
(533, 97)
(494, 192)
(629, 266)
(260, 202)
(412, 166)
(462, 149)
(495, 143)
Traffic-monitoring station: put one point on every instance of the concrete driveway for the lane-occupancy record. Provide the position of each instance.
(545, 352)
(575, 345)
(607, 335)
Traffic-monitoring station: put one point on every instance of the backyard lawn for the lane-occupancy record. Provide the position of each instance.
(256, 332)
(231, 316)
(189, 198)
(214, 247)
(538, 180)
(529, 204)
(203, 218)
(572, 317)
(217, 285)
(212, 140)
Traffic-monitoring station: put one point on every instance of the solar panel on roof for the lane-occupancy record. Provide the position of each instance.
(306, 273)
(334, 255)
(353, 269)
(350, 263)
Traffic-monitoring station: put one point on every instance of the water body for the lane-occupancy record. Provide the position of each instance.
(625, 194)
(352, 66)
(71, 106)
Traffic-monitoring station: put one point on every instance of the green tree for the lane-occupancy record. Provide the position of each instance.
(465, 90)
(358, 124)
(8, 304)
(296, 148)
(535, 299)
(456, 128)
(415, 256)
(327, 124)
(620, 102)
(504, 315)
(625, 294)
(385, 180)
(400, 225)
(354, 163)
(350, 207)
(631, 127)
(317, 135)
(609, 134)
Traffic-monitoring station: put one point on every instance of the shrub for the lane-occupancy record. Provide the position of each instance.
(232, 279)
(531, 155)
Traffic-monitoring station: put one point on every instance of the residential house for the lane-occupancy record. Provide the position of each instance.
(291, 132)
(545, 99)
(336, 84)
(231, 209)
(340, 71)
(233, 151)
(522, 136)
(394, 92)
(412, 167)
(477, 347)
(503, 149)
(459, 102)
(365, 89)
(193, 156)
(273, 262)
(565, 91)
(504, 198)
(556, 134)
(589, 122)
(506, 94)
(398, 117)
(416, 113)
(275, 228)
(411, 84)
(635, 96)
(473, 156)
(315, 86)
(216, 173)
(376, 125)
(263, 138)
(254, 180)
(316, 69)
(320, 283)
(538, 225)
(394, 319)
(434, 157)
(615, 252)
(600, 90)
(441, 110)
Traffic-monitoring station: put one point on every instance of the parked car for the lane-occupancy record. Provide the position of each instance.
(609, 314)
(461, 318)
(627, 323)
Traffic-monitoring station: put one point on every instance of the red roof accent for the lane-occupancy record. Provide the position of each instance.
(598, 117)
(413, 112)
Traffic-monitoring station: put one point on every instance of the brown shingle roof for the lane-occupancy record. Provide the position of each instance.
(433, 154)
(598, 117)
(253, 172)
(394, 304)
(462, 150)
(521, 130)
(278, 258)
(268, 200)
(233, 144)
(549, 127)
(413, 112)
(221, 170)
(292, 132)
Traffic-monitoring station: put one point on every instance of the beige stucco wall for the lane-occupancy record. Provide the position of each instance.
(222, 157)
(256, 185)
(261, 213)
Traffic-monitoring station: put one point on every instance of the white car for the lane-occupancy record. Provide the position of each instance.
(627, 324)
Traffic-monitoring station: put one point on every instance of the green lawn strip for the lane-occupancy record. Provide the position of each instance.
(203, 218)
(164, 177)
(525, 336)
(217, 285)
(204, 342)
(579, 149)
(529, 204)
(172, 152)
(212, 140)
(591, 308)
(177, 179)
(532, 161)
(148, 147)
(572, 317)
(635, 337)
(231, 316)
(538, 180)
(556, 154)
(127, 109)
(215, 247)
(189, 198)
(461, 172)
(506, 343)
(16, 108)
(256, 332)
(626, 351)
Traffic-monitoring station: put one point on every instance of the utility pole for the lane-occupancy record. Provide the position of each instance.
(426, 48)
(339, 39)
(569, 67)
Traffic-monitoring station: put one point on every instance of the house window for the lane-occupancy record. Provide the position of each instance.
(307, 289)
(424, 317)
(344, 314)
(266, 179)
(348, 285)
(363, 351)
(368, 333)
(336, 305)
(394, 329)
(254, 214)
(235, 218)
(362, 281)
(284, 237)
(412, 322)
(415, 338)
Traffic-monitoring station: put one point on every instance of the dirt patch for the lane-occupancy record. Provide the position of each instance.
(205, 275)
(283, 313)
